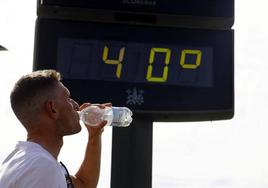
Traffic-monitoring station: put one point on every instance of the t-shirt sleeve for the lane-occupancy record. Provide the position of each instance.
(43, 174)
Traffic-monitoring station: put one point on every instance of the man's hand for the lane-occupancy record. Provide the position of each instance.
(95, 130)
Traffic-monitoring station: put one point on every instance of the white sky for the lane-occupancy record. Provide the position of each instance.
(220, 154)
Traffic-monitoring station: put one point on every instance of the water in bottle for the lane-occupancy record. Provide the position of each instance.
(115, 116)
(121, 116)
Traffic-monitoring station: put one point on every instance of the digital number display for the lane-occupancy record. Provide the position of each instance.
(165, 73)
(135, 62)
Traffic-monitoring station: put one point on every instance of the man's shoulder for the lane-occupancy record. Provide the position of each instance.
(31, 167)
(42, 171)
(25, 158)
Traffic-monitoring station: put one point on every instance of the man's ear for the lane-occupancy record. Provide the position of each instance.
(51, 109)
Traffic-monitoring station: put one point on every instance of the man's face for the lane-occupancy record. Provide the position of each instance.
(68, 120)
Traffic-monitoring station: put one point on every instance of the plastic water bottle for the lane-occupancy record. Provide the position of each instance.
(115, 116)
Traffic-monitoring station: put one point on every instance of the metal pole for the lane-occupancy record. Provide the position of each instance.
(132, 155)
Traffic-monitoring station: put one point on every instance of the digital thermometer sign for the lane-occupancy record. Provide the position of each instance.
(165, 73)
(132, 62)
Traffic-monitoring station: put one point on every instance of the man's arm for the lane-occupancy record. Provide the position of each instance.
(88, 174)
(89, 171)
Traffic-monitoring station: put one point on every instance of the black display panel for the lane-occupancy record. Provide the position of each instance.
(169, 74)
(209, 8)
(132, 62)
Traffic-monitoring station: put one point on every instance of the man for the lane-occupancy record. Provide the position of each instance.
(45, 109)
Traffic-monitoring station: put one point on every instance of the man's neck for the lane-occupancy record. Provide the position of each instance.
(50, 143)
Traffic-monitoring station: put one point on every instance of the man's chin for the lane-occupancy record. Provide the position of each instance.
(74, 131)
(77, 130)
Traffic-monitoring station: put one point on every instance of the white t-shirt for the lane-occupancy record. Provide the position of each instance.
(31, 166)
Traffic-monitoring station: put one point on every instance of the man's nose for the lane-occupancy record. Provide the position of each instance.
(75, 105)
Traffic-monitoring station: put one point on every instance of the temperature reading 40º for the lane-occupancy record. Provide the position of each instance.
(182, 63)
